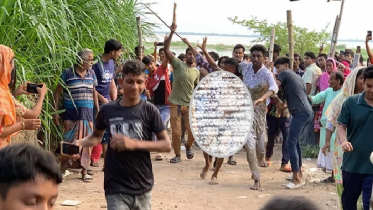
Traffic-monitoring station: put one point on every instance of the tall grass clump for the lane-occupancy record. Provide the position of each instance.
(47, 34)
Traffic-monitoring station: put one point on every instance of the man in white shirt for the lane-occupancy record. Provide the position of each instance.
(312, 74)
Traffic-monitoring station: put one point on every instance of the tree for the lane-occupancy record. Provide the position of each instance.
(304, 39)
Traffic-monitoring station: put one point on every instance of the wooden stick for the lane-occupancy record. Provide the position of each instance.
(271, 44)
(138, 19)
(334, 40)
(337, 28)
(291, 40)
(174, 17)
(162, 20)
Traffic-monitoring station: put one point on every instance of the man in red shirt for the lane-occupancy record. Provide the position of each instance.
(158, 84)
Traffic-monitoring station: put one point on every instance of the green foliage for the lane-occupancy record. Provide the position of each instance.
(304, 39)
(310, 151)
(47, 34)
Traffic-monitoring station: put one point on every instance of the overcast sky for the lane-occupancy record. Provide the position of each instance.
(210, 16)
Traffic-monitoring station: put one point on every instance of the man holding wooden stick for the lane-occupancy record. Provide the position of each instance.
(186, 77)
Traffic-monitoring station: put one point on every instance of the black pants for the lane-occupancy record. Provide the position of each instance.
(274, 124)
(353, 184)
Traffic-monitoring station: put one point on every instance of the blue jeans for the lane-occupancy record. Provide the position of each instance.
(353, 184)
(164, 110)
(308, 136)
(273, 124)
(129, 202)
(298, 123)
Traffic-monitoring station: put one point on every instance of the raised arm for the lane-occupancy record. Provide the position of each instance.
(211, 61)
(169, 55)
(194, 50)
(35, 112)
(155, 51)
(370, 54)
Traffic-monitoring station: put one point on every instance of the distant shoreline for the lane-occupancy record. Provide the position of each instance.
(239, 35)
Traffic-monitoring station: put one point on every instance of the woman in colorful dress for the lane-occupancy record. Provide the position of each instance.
(14, 117)
(79, 97)
(354, 84)
(336, 81)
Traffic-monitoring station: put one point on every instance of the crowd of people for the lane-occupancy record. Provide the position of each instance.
(120, 110)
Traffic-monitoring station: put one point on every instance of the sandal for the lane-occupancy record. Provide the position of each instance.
(328, 180)
(87, 178)
(285, 168)
(189, 152)
(265, 164)
(159, 157)
(95, 164)
(231, 161)
(175, 159)
(292, 186)
(90, 171)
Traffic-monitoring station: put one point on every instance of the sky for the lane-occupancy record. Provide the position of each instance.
(211, 16)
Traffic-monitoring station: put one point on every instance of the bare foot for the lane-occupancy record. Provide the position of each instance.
(214, 180)
(204, 172)
(256, 185)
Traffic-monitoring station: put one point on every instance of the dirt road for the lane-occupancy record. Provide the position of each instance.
(178, 186)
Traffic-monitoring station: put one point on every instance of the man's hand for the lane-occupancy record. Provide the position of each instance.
(347, 146)
(122, 142)
(173, 27)
(185, 40)
(258, 101)
(204, 44)
(326, 148)
(367, 39)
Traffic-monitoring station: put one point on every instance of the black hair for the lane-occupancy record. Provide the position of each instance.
(276, 48)
(160, 50)
(368, 73)
(258, 47)
(187, 50)
(134, 67)
(21, 163)
(282, 60)
(137, 50)
(310, 54)
(239, 46)
(214, 55)
(112, 45)
(349, 52)
(297, 55)
(290, 203)
(222, 58)
(359, 73)
(13, 79)
(232, 61)
(181, 56)
(246, 56)
(323, 55)
(147, 60)
(339, 76)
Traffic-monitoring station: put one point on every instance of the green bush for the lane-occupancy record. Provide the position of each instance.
(310, 151)
(47, 34)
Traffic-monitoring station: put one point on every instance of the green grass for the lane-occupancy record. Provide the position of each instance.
(47, 34)
(310, 151)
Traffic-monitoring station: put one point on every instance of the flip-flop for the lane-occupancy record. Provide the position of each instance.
(232, 162)
(285, 168)
(292, 186)
(87, 178)
(175, 159)
(95, 164)
(290, 177)
(159, 157)
(90, 171)
(189, 152)
(265, 164)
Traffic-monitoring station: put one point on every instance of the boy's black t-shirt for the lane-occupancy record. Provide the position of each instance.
(129, 172)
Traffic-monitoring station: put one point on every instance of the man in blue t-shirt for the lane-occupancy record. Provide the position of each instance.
(106, 89)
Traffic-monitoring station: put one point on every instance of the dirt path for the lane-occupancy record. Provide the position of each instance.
(178, 186)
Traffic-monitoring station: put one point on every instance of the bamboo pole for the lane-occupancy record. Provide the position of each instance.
(138, 19)
(271, 44)
(337, 28)
(162, 20)
(291, 40)
(174, 17)
(334, 40)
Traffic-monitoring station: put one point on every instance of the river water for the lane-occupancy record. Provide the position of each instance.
(230, 40)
